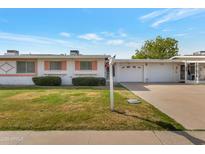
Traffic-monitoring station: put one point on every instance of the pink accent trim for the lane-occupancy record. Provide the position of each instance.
(77, 65)
(63, 65)
(94, 65)
(17, 74)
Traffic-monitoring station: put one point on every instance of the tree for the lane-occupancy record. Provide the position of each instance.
(159, 48)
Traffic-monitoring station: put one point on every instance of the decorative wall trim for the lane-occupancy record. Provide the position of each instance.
(6, 63)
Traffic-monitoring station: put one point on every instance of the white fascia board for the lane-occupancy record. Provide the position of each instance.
(146, 61)
(54, 57)
(184, 57)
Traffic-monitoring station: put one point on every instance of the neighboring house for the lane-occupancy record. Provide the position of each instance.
(17, 69)
(188, 69)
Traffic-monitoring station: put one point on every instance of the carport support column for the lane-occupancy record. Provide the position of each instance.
(186, 69)
(197, 72)
(111, 84)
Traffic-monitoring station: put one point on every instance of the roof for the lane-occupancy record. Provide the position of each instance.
(49, 56)
(186, 57)
(147, 60)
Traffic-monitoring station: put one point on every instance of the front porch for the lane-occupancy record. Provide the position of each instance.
(194, 72)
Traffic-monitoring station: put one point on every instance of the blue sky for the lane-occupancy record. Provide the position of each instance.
(99, 31)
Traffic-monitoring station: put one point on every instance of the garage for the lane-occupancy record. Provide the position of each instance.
(147, 71)
(160, 72)
(130, 73)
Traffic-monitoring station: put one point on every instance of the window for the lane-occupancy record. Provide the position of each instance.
(25, 67)
(85, 65)
(55, 65)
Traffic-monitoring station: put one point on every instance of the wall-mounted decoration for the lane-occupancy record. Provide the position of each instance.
(6, 67)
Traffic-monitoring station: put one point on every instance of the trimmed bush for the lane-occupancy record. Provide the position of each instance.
(89, 81)
(47, 81)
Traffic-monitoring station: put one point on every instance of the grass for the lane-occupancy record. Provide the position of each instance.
(77, 108)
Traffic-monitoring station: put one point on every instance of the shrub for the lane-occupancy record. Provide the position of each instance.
(47, 81)
(89, 81)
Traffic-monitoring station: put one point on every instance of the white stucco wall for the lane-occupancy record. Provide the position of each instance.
(66, 75)
(7, 75)
(16, 80)
(70, 73)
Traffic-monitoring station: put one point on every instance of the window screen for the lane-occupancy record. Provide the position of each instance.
(25, 67)
(85, 65)
(55, 65)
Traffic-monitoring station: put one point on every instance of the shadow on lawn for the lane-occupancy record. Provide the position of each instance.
(169, 127)
(161, 124)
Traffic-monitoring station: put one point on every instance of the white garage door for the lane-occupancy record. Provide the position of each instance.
(130, 73)
(160, 73)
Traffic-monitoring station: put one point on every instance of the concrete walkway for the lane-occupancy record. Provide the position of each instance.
(102, 137)
(184, 103)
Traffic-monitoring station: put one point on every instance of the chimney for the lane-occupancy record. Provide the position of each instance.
(74, 52)
(12, 52)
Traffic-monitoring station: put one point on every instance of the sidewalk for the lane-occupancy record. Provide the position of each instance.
(102, 137)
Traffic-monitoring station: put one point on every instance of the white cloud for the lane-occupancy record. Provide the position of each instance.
(153, 14)
(115, 42)
(30, 39)
(177, 14)
(108, 34)
(119, 33)
(180, 34)
(65, 34)
(90, 37)
(167, 15)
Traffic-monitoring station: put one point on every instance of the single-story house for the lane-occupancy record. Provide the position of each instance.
(18, 69)
(187, 69)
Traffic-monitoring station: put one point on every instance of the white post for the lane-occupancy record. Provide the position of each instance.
(185, 65)
(197, 72)
(111, 84)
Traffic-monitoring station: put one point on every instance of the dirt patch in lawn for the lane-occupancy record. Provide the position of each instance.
(29, 95)
(93, 94)
(71, 107)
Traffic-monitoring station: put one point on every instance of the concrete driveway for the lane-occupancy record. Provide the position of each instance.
(184, 103)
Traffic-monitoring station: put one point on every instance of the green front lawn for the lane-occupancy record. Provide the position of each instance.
(77, 108)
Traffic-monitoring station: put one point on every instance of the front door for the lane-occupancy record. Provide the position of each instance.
(182, 72)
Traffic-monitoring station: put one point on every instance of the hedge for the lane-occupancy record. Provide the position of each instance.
(47, 81)
(89, 81)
